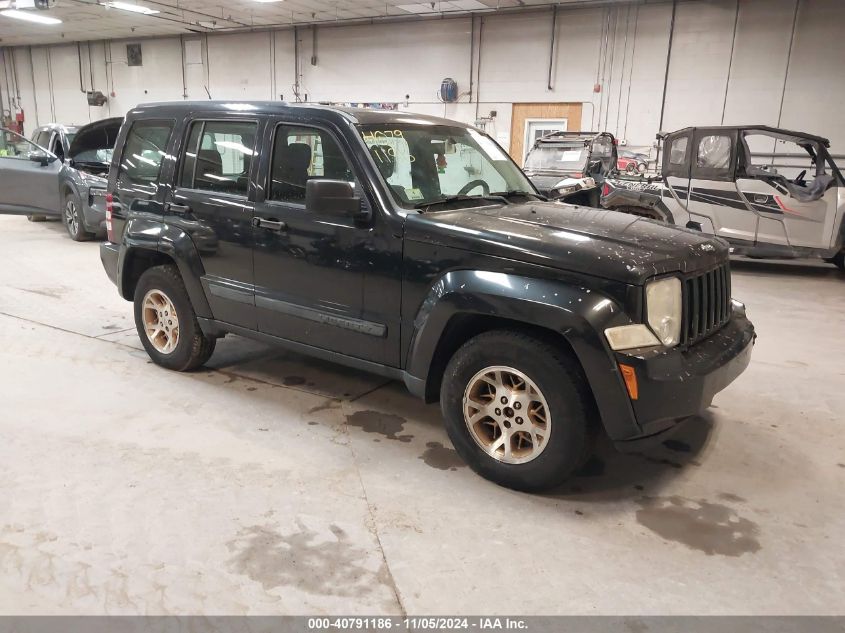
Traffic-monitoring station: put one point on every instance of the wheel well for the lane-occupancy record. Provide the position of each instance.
(463, 327)
(65, 190)
(137, 262)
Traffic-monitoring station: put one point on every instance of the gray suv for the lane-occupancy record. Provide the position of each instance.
(61, 172)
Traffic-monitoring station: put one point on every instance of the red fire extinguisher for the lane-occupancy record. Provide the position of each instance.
(19, 119)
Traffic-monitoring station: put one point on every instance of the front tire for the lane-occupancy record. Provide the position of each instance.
(73, 218)
(166, 322)
(517, 410)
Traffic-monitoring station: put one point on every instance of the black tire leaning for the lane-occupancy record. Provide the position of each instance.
(78, 234)
(193, 347)
(557, 375)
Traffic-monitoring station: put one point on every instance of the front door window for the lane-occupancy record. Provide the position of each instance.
(14, 145)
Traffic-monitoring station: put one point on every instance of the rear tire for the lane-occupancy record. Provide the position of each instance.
(540, 433)
(73, 218)
(166, 322)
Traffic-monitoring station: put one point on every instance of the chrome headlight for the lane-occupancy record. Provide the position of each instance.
(664, 309)
(566, 189)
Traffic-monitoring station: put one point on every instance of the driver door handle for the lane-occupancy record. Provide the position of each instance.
(271, 225)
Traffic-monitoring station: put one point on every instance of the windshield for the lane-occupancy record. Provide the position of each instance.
(94, 156)
(424, 163)
(15, 145)
(556, 158)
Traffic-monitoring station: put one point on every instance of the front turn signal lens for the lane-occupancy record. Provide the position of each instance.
(629, 375)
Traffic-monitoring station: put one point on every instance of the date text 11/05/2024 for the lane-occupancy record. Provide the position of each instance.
(417, 623)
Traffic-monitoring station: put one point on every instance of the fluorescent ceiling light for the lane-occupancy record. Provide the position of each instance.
(134, 8)
(30, 16)
(267, 1)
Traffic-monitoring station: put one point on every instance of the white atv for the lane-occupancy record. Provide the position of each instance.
(748, 185)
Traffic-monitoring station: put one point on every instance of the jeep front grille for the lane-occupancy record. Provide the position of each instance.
(706, 304)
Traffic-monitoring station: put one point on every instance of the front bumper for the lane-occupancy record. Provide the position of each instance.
(109, 255)
(677, 384)
(95, 210)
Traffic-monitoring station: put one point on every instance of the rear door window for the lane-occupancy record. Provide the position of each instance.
(677, 161)
(218, 156)
(714, 156)
(42, 138)
(143, 152)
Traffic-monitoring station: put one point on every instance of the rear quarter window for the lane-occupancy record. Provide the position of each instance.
(143, 152)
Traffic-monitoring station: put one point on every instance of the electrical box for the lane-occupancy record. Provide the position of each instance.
(96, 98)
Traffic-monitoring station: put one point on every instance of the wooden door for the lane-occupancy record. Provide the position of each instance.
(525, 111)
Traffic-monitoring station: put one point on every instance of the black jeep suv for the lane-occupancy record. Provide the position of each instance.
(413, 247)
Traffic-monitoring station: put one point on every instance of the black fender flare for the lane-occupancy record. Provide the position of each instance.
(578, 314)
(149, 235)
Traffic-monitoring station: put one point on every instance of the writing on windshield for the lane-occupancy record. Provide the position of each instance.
(424, 163)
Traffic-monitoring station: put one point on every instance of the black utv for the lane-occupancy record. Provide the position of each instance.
(572, 166)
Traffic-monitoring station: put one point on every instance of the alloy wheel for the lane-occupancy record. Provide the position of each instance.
(161, 324)
(72, 217)
(507, 415)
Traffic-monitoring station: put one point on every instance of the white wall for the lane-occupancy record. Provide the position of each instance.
(714, 76)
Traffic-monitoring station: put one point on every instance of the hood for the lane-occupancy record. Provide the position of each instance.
(595, 242)
(94, 136)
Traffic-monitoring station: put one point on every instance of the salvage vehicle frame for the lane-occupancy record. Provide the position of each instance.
(713, 181)
(414, 248)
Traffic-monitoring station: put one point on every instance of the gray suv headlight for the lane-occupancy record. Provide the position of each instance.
(664, 309)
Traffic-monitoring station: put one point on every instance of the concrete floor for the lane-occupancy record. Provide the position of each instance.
(274, 484)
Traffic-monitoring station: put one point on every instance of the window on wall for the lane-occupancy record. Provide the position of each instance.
(300, 154)
(144, 151)
(218, 156)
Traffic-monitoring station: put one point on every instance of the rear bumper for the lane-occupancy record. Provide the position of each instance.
(681, 383)
(109, 254)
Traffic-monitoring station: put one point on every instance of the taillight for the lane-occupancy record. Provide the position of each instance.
(109, 225)
(605, 189)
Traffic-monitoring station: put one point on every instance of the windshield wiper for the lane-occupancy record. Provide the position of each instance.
(448, 199)
(518, 192)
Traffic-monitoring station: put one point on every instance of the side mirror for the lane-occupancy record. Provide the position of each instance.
(333, 197)
(42, 158)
